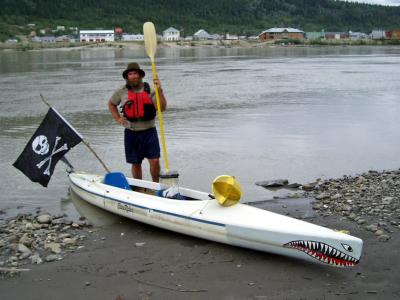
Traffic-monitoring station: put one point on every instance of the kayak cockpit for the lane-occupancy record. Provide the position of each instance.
(118, 180)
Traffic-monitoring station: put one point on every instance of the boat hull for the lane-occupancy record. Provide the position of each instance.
(238, 225)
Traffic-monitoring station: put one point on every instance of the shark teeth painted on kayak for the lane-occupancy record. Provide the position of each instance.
(323, 253)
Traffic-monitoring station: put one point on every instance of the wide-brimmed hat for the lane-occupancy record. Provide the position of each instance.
(133, 67)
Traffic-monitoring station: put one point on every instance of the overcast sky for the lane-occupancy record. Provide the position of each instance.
(383, 2)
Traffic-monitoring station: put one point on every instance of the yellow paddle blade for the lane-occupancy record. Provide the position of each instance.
(150, 39)
(226, 190)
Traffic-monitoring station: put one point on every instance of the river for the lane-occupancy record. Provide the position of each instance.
(299, 113)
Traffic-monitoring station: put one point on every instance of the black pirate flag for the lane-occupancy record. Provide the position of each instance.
(51, 141)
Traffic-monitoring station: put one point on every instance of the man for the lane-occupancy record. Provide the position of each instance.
(138, 107)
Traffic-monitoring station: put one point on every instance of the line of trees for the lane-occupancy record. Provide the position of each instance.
(235, 16)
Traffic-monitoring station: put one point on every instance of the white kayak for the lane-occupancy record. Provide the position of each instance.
(200, 215)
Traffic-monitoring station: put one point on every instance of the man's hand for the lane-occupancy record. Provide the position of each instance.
(121, 121)
(115, 114)
(157, 83)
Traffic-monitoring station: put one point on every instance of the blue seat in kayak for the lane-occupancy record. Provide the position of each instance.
(117, 179)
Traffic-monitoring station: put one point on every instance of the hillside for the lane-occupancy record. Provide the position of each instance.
(234, 16)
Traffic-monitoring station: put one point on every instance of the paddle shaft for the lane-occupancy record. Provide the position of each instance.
(160, 119)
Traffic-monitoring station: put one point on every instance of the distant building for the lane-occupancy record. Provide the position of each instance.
(62, 39)
(395, 33)
(201, 35)
(118, 33)
(132, 37)
(357, 35)
(378, 34)
(281, 34)
(60, 28)
(315, 35)
(171, 34)
(96, 36)
(188, 38)
(72, 39)
(48, 39)
(11, 41)
(36, 39)
(231, 36)
(336, 35)
(42, 31)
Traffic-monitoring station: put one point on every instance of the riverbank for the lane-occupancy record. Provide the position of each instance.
(197, 44)
(126, 259)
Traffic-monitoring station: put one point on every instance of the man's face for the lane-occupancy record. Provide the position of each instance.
(134, 78)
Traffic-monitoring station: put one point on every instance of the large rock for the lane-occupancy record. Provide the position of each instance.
(322, 196)
(23, 249)
(54, 247)
(69, 241)
(387, 200)
(63, 221)
(26, 240)
(371, 227)
(383, 238)
(64, 236)
(36, 259)
(294, 185)
(52, 257)
(273, 183)
(309, 186)
(44, 219)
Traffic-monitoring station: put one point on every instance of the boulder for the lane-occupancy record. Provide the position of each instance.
(273, 183)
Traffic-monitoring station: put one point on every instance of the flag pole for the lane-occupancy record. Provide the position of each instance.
(83, 140)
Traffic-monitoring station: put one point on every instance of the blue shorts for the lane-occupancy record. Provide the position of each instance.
(140, 145)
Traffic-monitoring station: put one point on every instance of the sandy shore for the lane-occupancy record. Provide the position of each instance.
(123, 259)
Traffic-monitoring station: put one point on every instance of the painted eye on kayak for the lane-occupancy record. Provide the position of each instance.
(347, 248)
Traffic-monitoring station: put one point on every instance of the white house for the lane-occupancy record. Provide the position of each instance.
(231, 36)
(201, 35)
(96, 36)
(378, 34)
(171, 34)
(132, 37)
(357, 35)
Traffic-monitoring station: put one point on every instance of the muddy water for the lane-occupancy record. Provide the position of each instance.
(295, 113)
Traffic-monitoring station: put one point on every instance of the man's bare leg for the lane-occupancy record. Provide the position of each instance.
(137, 171)
(155, 169)
(137, 174)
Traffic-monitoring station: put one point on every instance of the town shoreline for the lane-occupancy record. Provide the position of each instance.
(197, 44)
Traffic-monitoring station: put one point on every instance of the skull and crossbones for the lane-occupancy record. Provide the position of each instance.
(40, 145)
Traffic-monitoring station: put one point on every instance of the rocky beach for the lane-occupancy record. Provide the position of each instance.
(372, 200)
(52, 255)
(33, 239)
